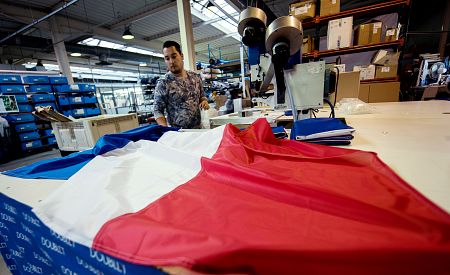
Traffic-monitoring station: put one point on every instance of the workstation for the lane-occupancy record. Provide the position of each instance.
(320, 143)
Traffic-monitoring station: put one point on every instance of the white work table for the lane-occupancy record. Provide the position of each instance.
(413, 138)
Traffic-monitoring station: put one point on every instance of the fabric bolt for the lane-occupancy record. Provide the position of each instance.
(180, 98)
(253, 204)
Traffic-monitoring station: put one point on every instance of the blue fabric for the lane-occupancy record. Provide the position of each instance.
(63, 168)
(30, 247)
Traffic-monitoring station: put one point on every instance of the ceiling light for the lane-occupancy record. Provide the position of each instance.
(142, 64)
(75, 54)
(127, 34)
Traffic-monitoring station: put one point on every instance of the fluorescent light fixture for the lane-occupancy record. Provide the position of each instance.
(142, 64)
(75, 54)
(127, 35)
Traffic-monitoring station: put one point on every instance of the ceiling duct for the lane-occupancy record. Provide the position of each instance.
(103, 60)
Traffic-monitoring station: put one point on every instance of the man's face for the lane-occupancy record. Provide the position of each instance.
(173, 59)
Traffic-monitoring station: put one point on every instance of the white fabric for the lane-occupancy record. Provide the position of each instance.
(125, 181)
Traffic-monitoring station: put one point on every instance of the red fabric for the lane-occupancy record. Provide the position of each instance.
(268, 206)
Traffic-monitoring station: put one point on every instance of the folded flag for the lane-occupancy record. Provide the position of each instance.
(227, 200)
(319, 130)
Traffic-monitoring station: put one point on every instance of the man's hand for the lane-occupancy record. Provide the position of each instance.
(204, 105)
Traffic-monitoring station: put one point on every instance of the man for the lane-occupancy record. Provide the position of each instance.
(179, 92)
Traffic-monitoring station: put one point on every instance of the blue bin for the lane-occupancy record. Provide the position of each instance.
(63, 88)
(47, 132)
(24, 127)
(67, 113)
(58, 80)
(63, 100)
(90, 99)
(10, 78)
(51, 140)
(20, 118)
(92, 111)
(36, 79)
(40, 89)
(76, 100)
(42, 98)
(80, 112)
(21, 98)
(31, 144)
(12, 89)
(86, 87)
(29, 136)
(25, 108)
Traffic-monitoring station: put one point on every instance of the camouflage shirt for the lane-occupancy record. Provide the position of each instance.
(180, 98)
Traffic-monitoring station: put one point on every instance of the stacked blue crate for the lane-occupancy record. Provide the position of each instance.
(21, 121)
(41, 94)
(76, 100)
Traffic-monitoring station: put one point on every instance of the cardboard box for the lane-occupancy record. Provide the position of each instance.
(386, 71)
(328, 7)
(366, 71)
(383, 57)
(303, 10)
(307, 45)
(384, 92)
(348, 86)
(340, 33)
(391, 35)
(369, 33)
(364, 90)
(82, 134)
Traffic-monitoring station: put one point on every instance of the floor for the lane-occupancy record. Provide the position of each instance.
(19, 163)
(54, 153)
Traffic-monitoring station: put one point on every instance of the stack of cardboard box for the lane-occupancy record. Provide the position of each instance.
(369, 33)
(328, 7)
(303, 9)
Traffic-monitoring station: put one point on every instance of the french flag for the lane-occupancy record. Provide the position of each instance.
(237, 201)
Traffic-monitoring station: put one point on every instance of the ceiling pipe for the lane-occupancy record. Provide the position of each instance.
(63, 7)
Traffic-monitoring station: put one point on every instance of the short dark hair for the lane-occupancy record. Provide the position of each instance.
(170, 43)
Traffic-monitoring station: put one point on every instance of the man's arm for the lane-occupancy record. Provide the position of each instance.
(160, 103)
(203, 100)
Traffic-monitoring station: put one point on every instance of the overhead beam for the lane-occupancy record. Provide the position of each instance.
(236, 4)
(222, 47)
(43, 17)
(142, 13)
(215, 37)
(177, 30)
(79, 26)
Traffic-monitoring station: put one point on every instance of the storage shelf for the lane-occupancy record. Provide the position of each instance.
(378, 80)
(372, 9)
(354, 49)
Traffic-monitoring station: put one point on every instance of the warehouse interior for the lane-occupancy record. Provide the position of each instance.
(303, 136)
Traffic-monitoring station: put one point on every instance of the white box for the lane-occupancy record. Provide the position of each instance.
(340, 33)
(82, 134)
(367, 71)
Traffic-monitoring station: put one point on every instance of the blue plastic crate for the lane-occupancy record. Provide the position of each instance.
(29, 136)
(36, 79)
(46, 104)
(76, 100)
(80, 112)
(51, 140)
(24, 127)
(90, 99)
(12, 89)
(67, 113)
(92, 111)
(20, 118)
(63, 100)
(10, 78)
(63, 88)
(42, 98)
(40, 89)
(31, 144)
(58, 80)
(21, 98)
(25, 108)
(47, 132)
(86, 87)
